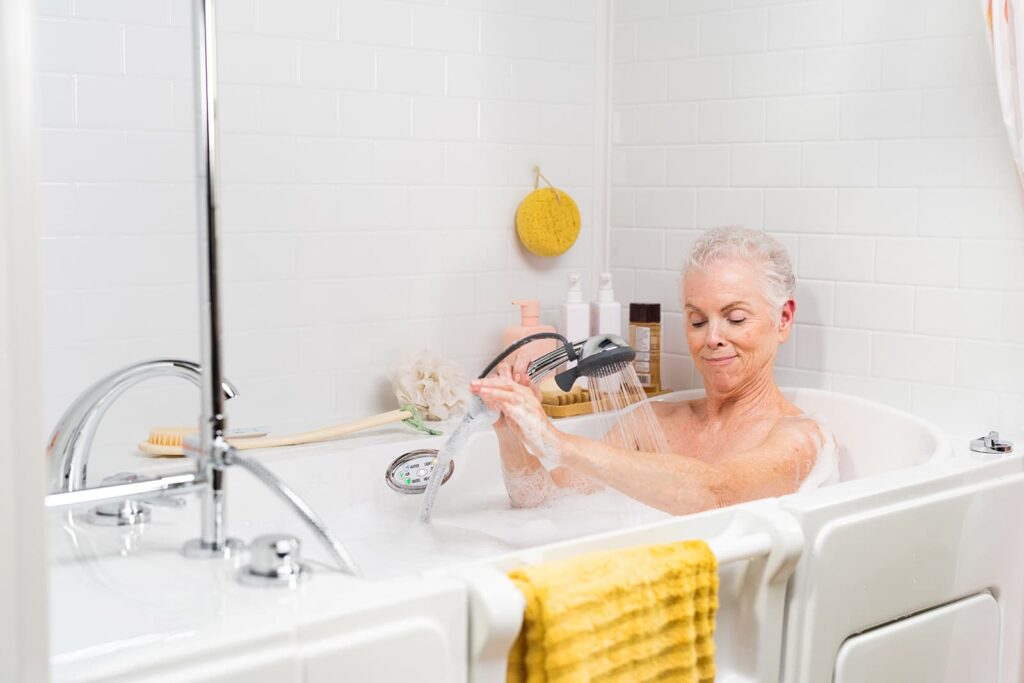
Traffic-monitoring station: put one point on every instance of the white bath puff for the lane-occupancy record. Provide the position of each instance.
(434, 385)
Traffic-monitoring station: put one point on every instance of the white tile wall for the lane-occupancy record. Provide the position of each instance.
(867, 135)
(374, 154)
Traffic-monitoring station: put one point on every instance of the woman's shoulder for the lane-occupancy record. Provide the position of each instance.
(799, 434)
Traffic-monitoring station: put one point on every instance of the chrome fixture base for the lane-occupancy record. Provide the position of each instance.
(125, 513)
(275, 561)
(197, 549)
(991, 444)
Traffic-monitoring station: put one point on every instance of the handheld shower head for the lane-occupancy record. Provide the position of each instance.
(598, 352)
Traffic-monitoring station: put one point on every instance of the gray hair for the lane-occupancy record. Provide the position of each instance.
(737, 242)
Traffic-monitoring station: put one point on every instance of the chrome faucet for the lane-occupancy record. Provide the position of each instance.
(71, 441)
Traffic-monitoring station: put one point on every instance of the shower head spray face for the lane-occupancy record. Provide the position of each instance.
(599, 352)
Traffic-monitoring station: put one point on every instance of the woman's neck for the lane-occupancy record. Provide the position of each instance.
(754, 398)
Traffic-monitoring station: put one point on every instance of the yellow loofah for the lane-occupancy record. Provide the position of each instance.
(548, 222)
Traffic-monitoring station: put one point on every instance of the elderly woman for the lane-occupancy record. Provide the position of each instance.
(742, 441)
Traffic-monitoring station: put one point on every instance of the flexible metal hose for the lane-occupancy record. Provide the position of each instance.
(299, 505)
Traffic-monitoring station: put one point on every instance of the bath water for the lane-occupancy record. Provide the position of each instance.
(476, 417)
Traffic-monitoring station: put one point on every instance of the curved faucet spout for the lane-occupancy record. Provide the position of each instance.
(71, 441)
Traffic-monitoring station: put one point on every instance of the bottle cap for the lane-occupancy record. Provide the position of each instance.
(645, 313)
(529, 310)
(575, 295)
(604, 293)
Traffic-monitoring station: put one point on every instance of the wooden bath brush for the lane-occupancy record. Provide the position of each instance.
(167, 441)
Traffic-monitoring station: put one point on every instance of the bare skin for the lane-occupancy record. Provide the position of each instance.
(743, 441)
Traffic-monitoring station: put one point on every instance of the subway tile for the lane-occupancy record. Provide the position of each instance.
(79, 47)
(156, 51)
(313, 19)
(843, 69)
(408, 162)
(988, 162)
(124, 102)
(263, 60)
(768, 74)
(659, 124)
(730, 207)
(327, 160)
(620, 208)
(666, 208)
(552, 83)
(815, 302)
(935, 62)
(875, 307)
(232, 15)
(299, 111)
(957, 313)
(800, 210)
(117, 262)
(913, 358)
(878, 211)
(364, 207)
(697, 6)
(875, 116)
(56, 100)
(240, 109)
(991, 265)
(988, 366)
(445, 28)
(663, 286)
(639, 166)
(441, 118)
(475, 164)
(840, 164)
(410, 71)
(668, 38)
(536, 38)
(967, 213)
(254, 257)
(792, 377)
(637, 248)
(444, 207)
(802, 118)
(732, 121)
(624, 47)
(803, 25)
(374, 115)
(1013, 318)
(961, 112)
(699, 79)
(54, 8)
(518, 122)
(375, 23)
(833, 350)
(678, 244)
(642, 82)
(478, 76)
(156, 12)
(730, 33)
(81, 156)
(260, 158)
(473, 250)
(837, 258)
(640, 9)
(698, 165)
(916, 261)
(766, 165)
(335, 65)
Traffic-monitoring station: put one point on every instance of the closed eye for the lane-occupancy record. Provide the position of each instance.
(698, 323)
(737, 321)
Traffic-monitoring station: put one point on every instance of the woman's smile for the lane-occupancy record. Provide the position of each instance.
(720, 361)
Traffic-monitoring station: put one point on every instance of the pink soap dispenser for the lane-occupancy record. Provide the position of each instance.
(530, 324)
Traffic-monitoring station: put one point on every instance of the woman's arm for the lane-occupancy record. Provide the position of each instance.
(675, 483)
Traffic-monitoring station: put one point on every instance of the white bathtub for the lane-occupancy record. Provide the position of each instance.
(913, 526)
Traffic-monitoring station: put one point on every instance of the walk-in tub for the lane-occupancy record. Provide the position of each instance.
(809, 581)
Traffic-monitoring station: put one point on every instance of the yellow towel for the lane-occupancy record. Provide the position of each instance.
(633, 615)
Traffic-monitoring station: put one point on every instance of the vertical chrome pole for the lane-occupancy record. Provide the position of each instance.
(212, 446)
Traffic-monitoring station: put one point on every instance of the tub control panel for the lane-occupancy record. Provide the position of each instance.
(411, 471)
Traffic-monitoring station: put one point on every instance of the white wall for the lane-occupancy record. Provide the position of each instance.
(866, 135)
(373, 157)
(23, 601)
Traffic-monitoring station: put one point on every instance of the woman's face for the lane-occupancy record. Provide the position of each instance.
(732, 331)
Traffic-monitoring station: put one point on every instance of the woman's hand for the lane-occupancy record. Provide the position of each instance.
(514, 369)
(521, 412)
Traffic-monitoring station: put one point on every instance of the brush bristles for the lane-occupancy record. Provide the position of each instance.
(170, 436)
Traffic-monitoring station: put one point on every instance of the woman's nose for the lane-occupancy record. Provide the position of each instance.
(714, 339)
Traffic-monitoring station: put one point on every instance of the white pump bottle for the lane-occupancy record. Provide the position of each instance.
(606, 312)
(575, 318)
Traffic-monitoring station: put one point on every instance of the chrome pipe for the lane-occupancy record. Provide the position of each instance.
(149, 489)
(549, 362)
(213, 421)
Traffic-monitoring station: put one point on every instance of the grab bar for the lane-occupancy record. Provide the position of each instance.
(729, 550)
